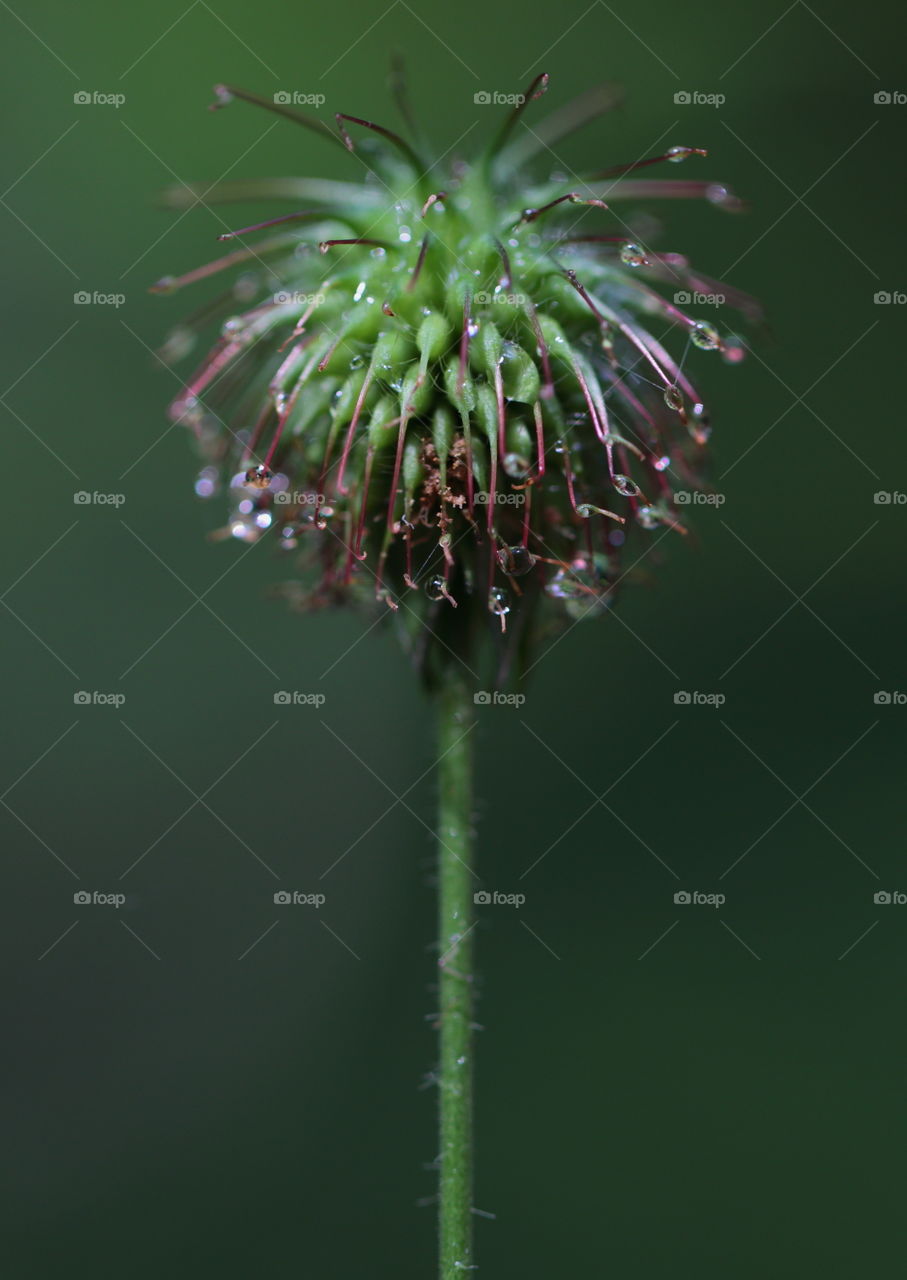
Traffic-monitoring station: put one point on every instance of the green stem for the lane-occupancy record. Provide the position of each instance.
(456, 720)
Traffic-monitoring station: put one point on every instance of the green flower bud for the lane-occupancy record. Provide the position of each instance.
(479, 396)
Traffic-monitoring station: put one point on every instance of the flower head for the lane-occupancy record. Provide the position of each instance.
(438, 393)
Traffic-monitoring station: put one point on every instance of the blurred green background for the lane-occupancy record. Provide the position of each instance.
(205, 1084)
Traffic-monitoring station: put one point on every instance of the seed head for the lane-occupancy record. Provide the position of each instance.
(439, 394)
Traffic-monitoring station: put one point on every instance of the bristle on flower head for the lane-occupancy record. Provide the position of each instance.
(449, 399)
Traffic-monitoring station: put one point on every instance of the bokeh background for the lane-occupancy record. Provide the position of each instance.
(201, 1083)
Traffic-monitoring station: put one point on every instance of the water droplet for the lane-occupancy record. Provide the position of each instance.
(289, 538)
(360, 290)
(673, 398)
(230, 328)
(263, 519)
(716, 194)
(472, 328)
(558, 447)
(281, 401)
(357, 362)
(516, 561)
(625, 486)
(435, 588)
(584, 586)
(705, 336)
(244, 531)
(498, 602)
(647, 517)
(617, 538)
(631, 255)
(206, 482)
(662, 463)
(378, 252)
(187, 410)
(259, 477)
(515, 466)
(405, 235)
(179, 343)
(674, 155)
(733, 350)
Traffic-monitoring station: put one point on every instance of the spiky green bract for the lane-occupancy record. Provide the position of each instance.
(438, 394)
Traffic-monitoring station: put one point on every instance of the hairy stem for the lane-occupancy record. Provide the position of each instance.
(456, 720)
